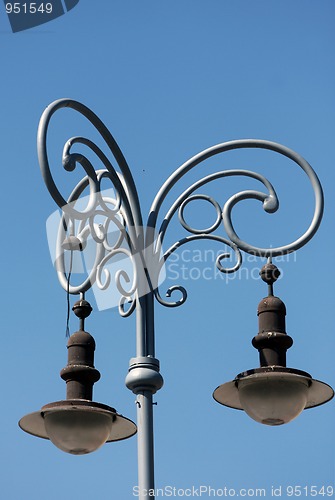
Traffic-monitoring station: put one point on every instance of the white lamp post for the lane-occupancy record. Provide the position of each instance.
(271, 394)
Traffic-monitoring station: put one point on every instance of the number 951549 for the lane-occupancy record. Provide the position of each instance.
(29, 8)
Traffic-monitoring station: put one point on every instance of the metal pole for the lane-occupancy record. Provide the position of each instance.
(144, 380)
(145, 431)
(146, 481)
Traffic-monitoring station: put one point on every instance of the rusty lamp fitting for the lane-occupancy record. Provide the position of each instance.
(272, 394)
(78, 425)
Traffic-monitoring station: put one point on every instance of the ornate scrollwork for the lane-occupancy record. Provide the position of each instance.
(102, 215)
(223, 216)
(121, 212)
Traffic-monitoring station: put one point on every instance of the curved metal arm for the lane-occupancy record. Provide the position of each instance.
(125, 213)
(128, 189)
(270, 202)
(155, 237)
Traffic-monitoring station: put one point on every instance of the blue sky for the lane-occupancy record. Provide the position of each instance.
(170, 79)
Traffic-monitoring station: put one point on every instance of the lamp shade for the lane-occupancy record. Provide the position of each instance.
(273, 395)
(78, 426)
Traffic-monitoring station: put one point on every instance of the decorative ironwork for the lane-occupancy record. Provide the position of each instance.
(143, 244)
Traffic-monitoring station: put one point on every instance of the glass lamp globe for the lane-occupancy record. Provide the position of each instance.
(273, 399)
(78, 431)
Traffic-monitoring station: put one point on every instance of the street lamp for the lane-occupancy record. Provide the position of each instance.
(272, 394)
(79, 425)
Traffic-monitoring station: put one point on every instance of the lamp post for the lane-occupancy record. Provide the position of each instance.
(272, 394)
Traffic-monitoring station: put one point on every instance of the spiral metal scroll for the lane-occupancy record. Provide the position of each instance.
(79, 224)
(223, 217)
(144, 247)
